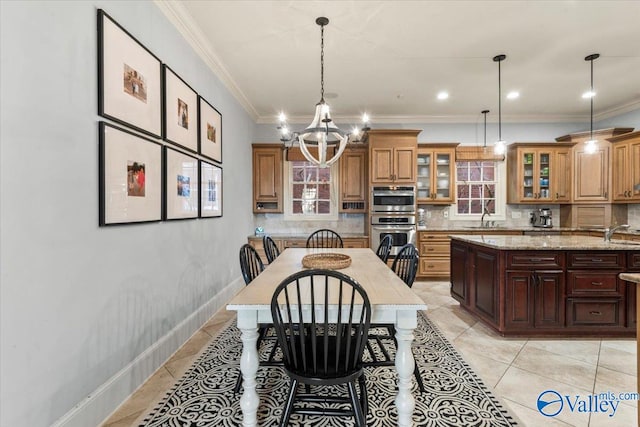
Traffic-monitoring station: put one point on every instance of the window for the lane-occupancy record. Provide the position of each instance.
(311, 191)
(478, 189)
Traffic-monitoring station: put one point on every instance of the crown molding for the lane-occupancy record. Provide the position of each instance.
(184, 23)
(616, 111)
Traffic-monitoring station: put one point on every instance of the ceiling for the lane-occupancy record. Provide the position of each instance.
(391, 58)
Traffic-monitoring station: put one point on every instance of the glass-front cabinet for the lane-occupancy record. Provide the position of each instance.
(538, 174)
(436, 166)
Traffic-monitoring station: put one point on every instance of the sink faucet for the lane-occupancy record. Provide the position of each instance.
(486, 212)
(608, 232)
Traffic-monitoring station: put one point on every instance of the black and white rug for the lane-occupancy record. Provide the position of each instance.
(454, 395)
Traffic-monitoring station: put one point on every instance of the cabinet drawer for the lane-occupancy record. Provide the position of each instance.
(590, 312)
(295, 244)
(428, 237)
(355, 243)
(633, 260)
(547, 260)
(595, 260)
(593, 283)
(434, 249)
(438, 267)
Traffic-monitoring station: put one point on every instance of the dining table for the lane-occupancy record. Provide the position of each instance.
(392, 302)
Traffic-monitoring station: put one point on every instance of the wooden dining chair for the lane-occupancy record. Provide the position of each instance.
(250, 263)
(322, 341)
(405, 265)
(324, 238)
(270, 248)
(384, 248)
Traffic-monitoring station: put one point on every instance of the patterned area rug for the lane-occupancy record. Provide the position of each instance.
(454, 395)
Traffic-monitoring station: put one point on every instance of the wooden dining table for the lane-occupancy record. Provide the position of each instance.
(392, 301)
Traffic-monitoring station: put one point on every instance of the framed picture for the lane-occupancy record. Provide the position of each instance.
(129, 79)
(210, 135)
(180, 111)
(130, 177)
(181, 185)
(210, 190)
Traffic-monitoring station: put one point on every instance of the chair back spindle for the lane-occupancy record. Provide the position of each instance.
(324, 238)
(250, 263)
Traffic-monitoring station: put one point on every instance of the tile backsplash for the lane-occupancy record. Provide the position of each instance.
(275, 224)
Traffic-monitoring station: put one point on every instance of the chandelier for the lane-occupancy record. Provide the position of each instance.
(322, 132)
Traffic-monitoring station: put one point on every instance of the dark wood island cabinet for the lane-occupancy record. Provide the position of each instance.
(546, 285)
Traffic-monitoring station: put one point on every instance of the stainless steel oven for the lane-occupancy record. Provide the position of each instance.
(401, 227)
(393, 199)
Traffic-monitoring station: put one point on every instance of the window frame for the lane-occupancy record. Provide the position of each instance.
(500, 196)
(333, 196)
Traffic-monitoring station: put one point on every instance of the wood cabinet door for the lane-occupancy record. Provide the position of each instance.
(486, 285)
(381, 165)
(634, 172)
(518, 300)
(621, 176)
(267, 179)
(549, 299)
(561, 175)
(353, 177)
(591, 180)
(404, 165)
(459, 273)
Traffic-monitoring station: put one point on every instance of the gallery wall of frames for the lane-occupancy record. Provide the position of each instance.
(163, 159)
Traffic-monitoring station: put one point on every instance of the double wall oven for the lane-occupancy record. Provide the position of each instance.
(393, 212)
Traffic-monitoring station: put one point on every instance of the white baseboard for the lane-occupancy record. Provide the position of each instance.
(96, 407)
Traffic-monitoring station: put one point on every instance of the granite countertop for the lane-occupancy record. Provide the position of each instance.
(304, 236)
(630, 277)
(463, 229)
(538, 243)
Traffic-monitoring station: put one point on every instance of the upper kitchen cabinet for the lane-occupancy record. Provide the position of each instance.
(436, 172)
(626, 167)
(392, 156)
(539, 173)
(353, 180)
(267, 178)
(592, 174)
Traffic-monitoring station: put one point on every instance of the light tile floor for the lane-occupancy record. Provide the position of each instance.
(516, 370)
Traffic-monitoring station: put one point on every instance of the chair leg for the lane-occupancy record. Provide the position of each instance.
(357, 408)
(288, 408)
(236, 389)
(364, 397)
(416, 373)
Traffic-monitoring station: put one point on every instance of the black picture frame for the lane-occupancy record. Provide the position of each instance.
(181, 185)
(129, 79)
(179, 110)
(130, 177)
(211, 190)
(209, 131)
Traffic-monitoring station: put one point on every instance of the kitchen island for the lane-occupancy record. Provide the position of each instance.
(546, 285)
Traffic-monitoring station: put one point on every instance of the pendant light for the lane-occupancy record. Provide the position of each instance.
(501, 146)
(322, 132)
(484, 146)
(591, 143)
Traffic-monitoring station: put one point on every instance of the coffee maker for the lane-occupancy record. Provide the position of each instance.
(541, 218)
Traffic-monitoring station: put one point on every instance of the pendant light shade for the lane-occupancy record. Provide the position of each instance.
(501, 146)
(322, 132)
(591, 143)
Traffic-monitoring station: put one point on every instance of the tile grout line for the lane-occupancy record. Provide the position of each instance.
(595, 379)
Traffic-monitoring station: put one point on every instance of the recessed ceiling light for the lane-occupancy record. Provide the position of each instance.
(588, 94)
(513, 95)
(443, 95)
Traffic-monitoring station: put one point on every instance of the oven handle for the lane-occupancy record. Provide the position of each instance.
(394, 193)
(391, 227)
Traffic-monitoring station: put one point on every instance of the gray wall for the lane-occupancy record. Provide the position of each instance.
(90, 312)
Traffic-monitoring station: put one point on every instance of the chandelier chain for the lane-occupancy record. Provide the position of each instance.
(322, 63)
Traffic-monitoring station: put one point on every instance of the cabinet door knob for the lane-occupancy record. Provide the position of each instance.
(557, 196)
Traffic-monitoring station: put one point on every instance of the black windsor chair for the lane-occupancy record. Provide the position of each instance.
(324, 238)
(322, 343)
(384, 248)
(405, 265)
(270, 249)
